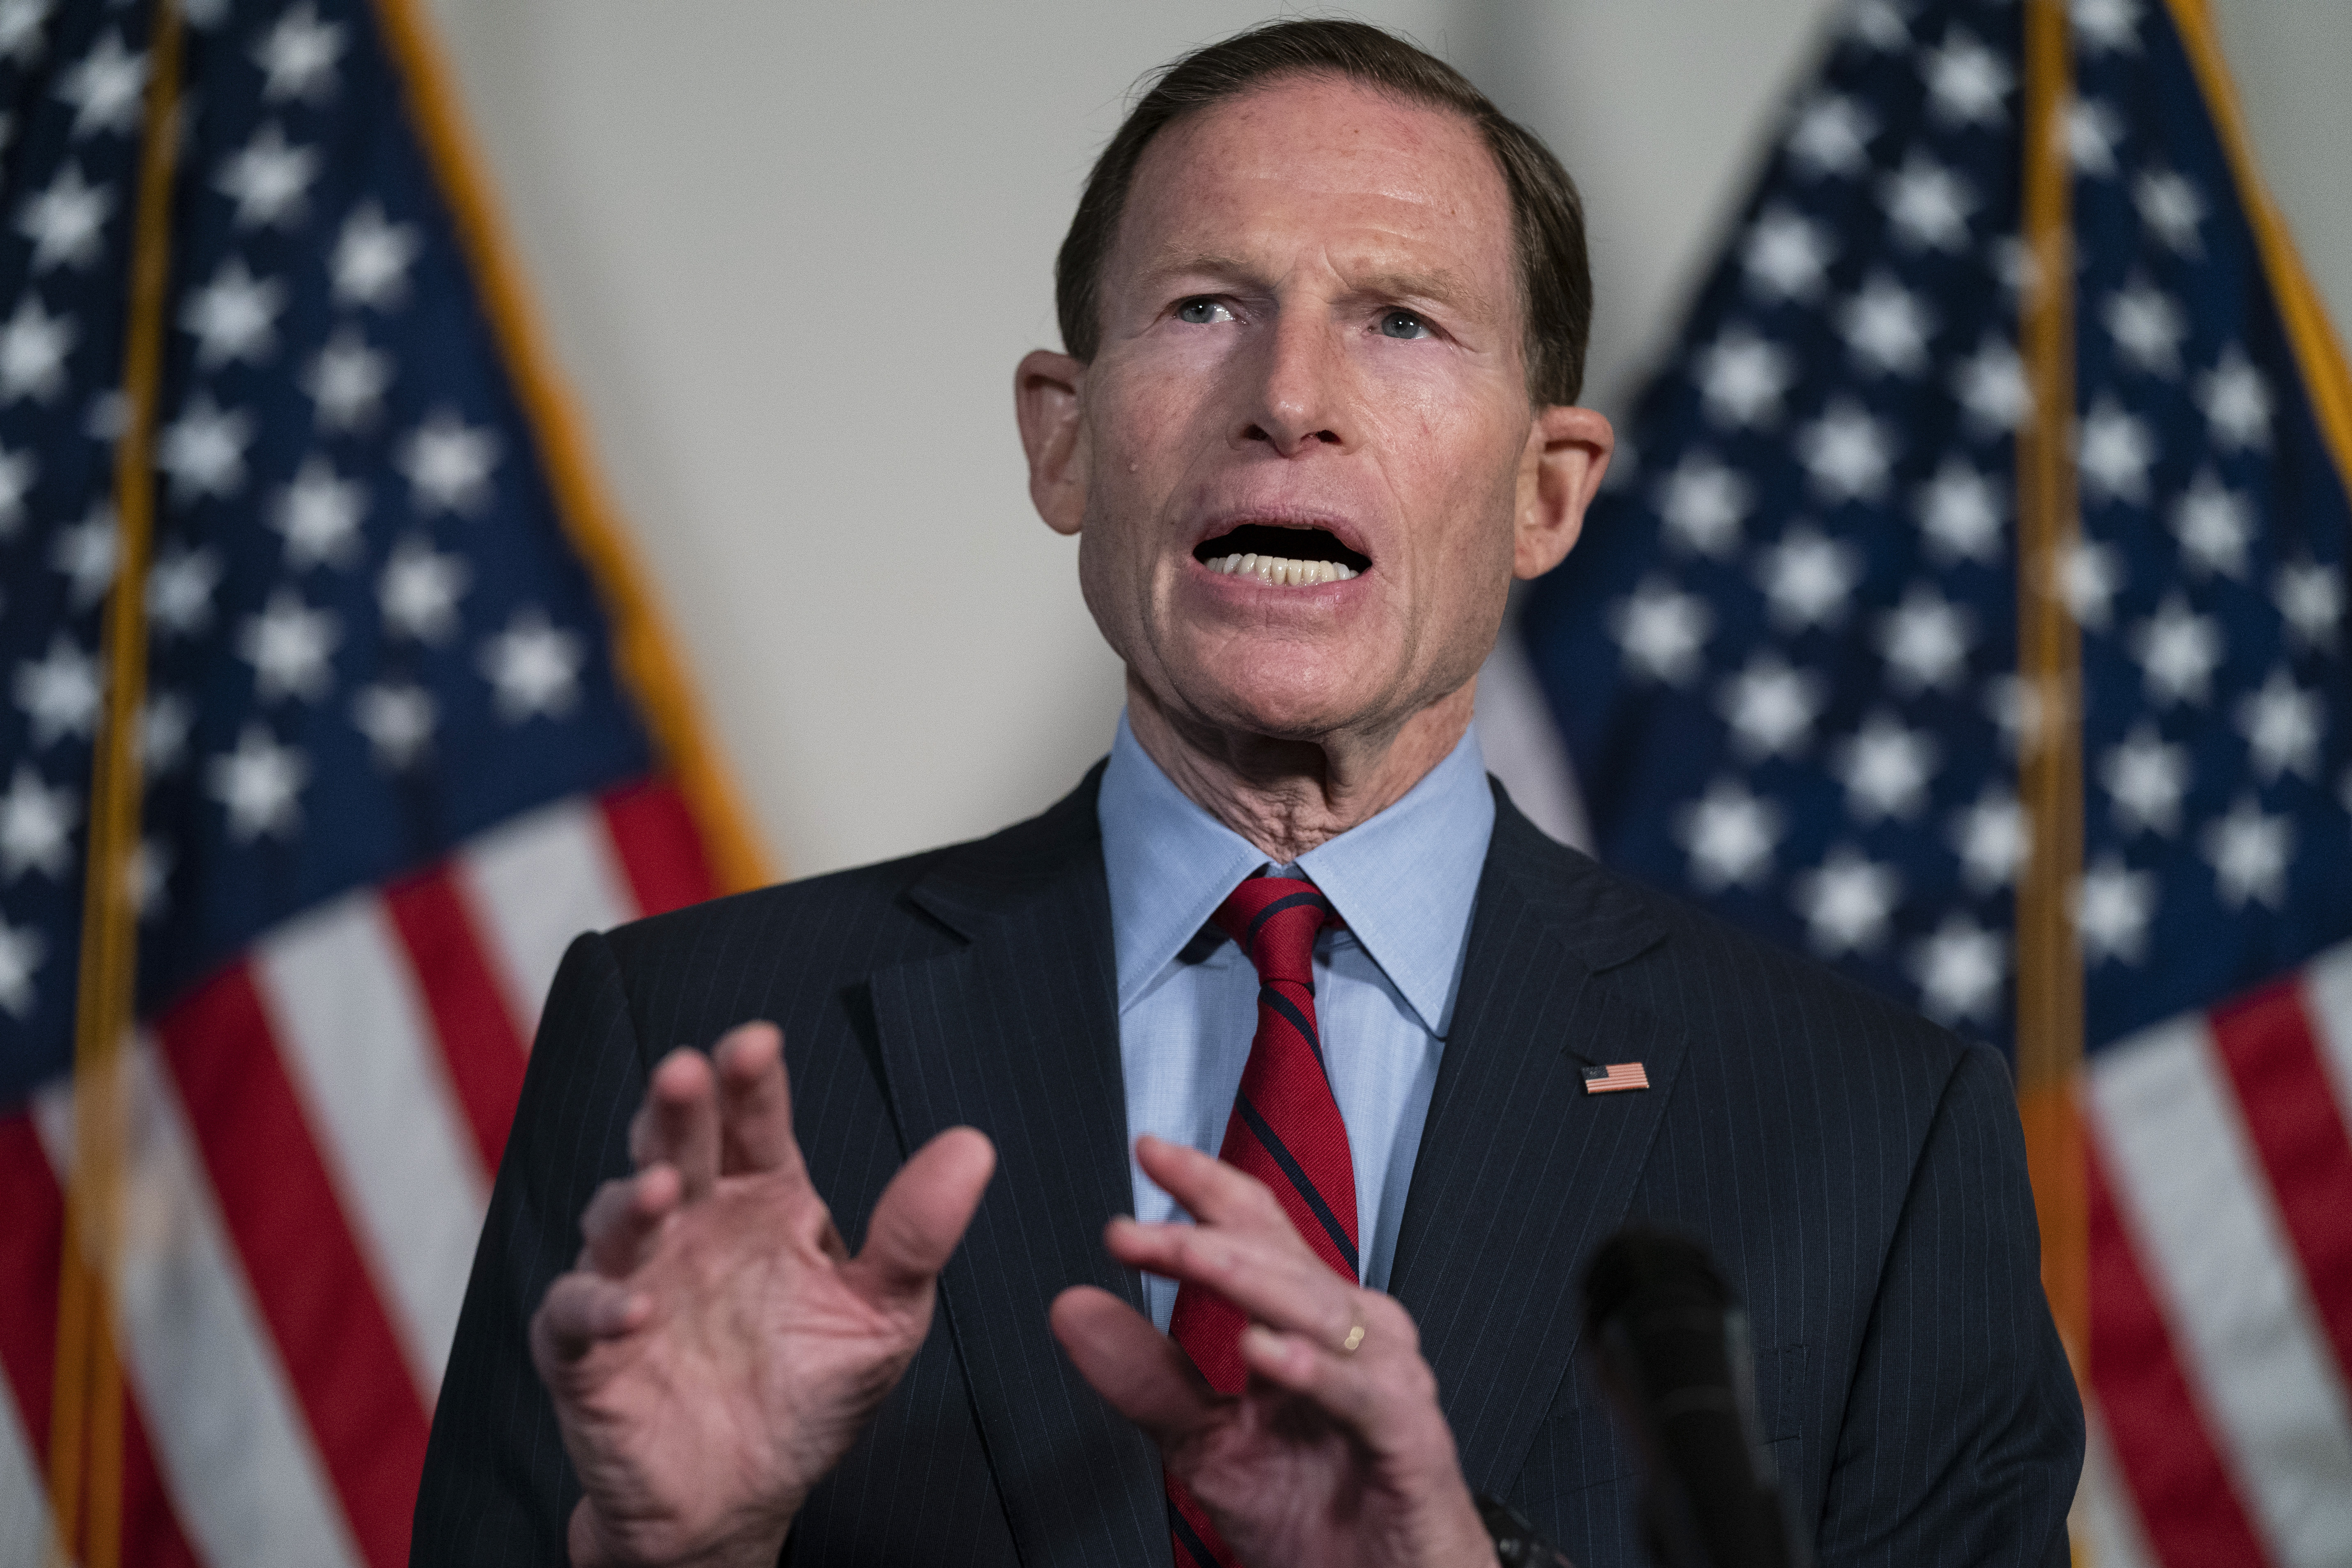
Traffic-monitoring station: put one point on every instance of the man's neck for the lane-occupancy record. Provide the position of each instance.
(1289, 796)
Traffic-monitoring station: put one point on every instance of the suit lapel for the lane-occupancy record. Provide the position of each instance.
(1520, 1172)
(1017, 1034)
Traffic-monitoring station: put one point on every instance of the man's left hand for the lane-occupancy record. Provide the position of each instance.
(1335, 1454)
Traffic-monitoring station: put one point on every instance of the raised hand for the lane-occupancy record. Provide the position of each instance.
(716, 1349)
(1336, 1453)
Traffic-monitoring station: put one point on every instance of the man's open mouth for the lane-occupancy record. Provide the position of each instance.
(1287, 557)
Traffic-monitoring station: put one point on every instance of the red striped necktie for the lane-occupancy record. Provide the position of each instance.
(1285, 1130)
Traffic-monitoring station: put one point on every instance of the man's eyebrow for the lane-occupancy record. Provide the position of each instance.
(1442, 284)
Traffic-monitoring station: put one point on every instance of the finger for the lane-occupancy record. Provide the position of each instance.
(624, 1219)
(922, 1214)
(681, 1120)
(580, 1312)
(1270, 1281)
(1341, 1385)
(1215, 1192)
(1145, 1375)
(755, 1102)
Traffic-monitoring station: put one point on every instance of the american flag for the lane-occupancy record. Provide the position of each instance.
(1785, 661)
(407, 728)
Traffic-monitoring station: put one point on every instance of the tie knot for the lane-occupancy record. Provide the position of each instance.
(1274, 920)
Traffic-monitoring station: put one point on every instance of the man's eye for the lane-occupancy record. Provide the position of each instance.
(1202, 313)
(1402, 324)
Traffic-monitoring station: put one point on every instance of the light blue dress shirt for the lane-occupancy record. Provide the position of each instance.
(1384, 987)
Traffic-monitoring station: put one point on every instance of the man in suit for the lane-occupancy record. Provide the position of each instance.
(1325, 311)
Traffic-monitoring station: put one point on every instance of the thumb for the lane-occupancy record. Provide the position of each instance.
(923, 1214)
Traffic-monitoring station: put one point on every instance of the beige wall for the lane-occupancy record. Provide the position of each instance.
(789, 253)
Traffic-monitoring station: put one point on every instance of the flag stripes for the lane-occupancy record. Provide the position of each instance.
(285, 1320)
(2222, 1205)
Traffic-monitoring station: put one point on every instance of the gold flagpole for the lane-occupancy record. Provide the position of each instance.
(86, 1415)
(2049, 660)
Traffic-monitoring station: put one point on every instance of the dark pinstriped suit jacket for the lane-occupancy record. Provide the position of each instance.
(1859, 1172)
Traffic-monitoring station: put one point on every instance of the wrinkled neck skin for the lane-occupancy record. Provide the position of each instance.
(1287, 796)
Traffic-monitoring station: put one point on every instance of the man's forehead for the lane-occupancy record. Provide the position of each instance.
(1399, 191)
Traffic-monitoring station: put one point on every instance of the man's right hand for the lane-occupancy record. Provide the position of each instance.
(715, 1350)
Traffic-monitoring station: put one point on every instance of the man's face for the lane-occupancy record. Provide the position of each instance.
(1312, 353)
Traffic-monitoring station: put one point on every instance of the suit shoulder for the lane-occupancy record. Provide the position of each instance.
(1694, 969)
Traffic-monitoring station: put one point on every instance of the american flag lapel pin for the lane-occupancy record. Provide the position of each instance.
(1616, 1076)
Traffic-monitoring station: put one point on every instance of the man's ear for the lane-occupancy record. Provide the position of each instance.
(1566, 454)
(1045, 400)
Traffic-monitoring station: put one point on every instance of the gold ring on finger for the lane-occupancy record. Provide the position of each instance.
(1354, 1340)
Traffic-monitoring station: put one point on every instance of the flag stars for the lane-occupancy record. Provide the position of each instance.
(297, 58)
(2283, 724)
(1926, 641)
(58, 693)
(1730, 835)
(2107, 27)
(65, 220)
(1967, 82)
(1703, 503)
(533, 667)
(2311, 597)
(2093, 131)
(1831, 136)
(2113, 906)
(1846, 453)
(233, 317)
(289, 646)
(398, 717)
(2214, 527)
(1960, 514)
(2114, 451)
(2171, 209)
(1960, 968)
(1991, 386)
(37, 826)
(2147, 327)
(150, 874)
(260, 785)
(2237, 403)
(21, 952)
(1771, 707)
(2089, 578)
(1847, 902)
(1806, 579)
(449, 464)
(320, 516)
(20, 29)
(1886, 328)
(204, 450)
(2145, 778)
(346, 382)
(269, 180)
(1663, 632)
(1990, 837)
(165, 721)
(2179, 651)
(17, 471)
(33, 349)
(419, 592)
(105, 87)
(371, 258)
(180, 590)
(1885, 769)
(1928, 205)
(1742, 378)
(1879, 24)
(2249, 851)
(86, 552)
(1785, 257)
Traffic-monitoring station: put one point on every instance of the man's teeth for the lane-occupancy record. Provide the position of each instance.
(1287, 573)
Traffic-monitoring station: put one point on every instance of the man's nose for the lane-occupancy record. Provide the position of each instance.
(1301, 399)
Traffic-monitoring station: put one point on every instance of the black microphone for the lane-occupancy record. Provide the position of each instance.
(1671, 1342)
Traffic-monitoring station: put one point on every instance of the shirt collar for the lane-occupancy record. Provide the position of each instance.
(1404, 879)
